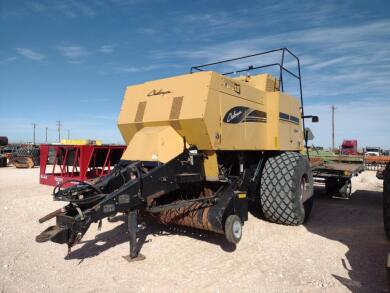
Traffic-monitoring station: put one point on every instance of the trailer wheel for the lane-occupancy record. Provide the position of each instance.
(386, 201)
(338, 188)
(233, 229)
(286, 182)
(347, 189)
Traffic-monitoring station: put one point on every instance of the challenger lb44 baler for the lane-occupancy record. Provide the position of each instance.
(200, 148)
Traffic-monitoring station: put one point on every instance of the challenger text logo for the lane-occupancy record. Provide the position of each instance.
(158, 92)
(241, 114)
(232, 115)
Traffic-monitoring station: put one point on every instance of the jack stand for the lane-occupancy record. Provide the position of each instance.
(132, 228)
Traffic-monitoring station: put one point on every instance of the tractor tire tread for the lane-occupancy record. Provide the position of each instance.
(279, 185)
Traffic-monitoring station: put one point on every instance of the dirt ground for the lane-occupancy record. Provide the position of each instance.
(341, 248)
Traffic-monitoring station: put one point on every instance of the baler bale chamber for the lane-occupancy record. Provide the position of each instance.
(200, 148)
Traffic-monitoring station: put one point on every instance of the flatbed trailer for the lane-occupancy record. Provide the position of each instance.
(336, 175)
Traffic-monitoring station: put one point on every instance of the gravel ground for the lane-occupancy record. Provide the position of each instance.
(341, 248)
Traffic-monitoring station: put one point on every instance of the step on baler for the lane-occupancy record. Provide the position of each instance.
(200, 148)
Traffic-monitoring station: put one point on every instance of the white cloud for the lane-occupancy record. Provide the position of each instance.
(123, 2)
(208, 25)
(36, 7)
(30, 54)
(74, 61)
(334, 39)
(147, 30)
(83, 8)
(72, 51)
(73, 8)
(131, 69)
(106, 49)
(74, 54)
(7, 60)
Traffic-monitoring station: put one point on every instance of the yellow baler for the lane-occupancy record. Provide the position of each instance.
(200, 148)
(212, 112)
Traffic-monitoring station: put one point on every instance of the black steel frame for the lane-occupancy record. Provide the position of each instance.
(280, 64)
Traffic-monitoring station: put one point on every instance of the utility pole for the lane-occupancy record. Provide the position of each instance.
(59, 130)
(333, 108)
(34, 126)
(68, 134)
(46, 134)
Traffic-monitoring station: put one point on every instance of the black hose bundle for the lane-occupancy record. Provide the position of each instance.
(73, 194)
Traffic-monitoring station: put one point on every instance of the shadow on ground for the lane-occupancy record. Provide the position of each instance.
(118, 235)
(357, 223)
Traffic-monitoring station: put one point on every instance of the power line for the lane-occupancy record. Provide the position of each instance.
(34, 126)
(333, 108)
(59, 130)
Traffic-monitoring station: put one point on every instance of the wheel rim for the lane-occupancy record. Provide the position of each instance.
(349, 189)
(237, 229)
(304, 187)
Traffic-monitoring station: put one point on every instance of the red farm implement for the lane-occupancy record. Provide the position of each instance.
(376, 163)
(64, 163)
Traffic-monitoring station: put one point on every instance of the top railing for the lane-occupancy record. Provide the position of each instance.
(280, 64)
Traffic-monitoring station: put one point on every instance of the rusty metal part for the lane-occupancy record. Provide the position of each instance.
(314, 162)
(51, 215)
(197, 215)
(377, 159)
(376, 163)
(23, 162)
(153, 196)
(182, 204)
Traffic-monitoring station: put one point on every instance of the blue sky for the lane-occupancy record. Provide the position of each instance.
(71, 60)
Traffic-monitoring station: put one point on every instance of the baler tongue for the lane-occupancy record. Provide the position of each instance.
(50, 233)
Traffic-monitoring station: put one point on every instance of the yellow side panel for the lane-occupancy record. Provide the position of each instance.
(296, 128)
(272, 133)
(245, 135)
(195, 133)
(290, 130)
(177, 101)
(285, 142)
(161, 143)
(195, 107)
(264, 82)
(211, 166)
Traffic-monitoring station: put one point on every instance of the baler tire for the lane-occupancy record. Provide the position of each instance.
(285, 179)
(386, 200)
(308, 206)
(233, 229)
